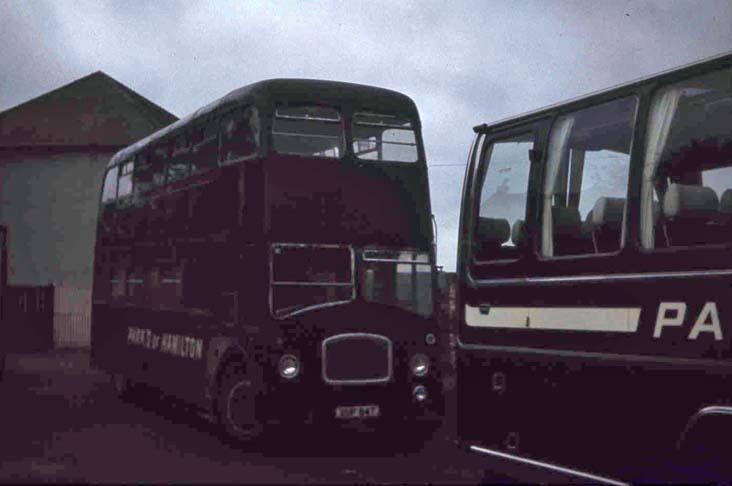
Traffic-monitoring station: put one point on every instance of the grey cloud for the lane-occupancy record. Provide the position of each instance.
(463, 62)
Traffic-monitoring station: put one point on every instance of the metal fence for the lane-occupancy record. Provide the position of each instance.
(41, 318)
(71, 317)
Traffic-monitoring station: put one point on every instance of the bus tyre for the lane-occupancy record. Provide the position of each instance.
(236, 405)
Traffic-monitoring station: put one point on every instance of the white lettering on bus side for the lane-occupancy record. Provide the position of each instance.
(663, 319)
(704, 324)
(672, 314)
(173, 344)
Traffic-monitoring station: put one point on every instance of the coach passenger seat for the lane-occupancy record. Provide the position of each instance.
(490, 234)
(606, 222)
(567, 228)
(518, 233)
(689, 212)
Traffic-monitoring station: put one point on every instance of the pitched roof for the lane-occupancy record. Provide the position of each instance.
(94, 110)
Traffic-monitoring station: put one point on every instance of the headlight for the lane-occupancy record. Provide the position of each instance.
(289, 366)
(419, 393)
(419, 364)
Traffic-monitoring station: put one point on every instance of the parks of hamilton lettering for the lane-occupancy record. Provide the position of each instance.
(174, 344)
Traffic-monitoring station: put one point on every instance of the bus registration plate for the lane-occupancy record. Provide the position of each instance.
(357, 411)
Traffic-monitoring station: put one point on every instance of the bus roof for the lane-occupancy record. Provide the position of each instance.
(724, 59)
(283, 88)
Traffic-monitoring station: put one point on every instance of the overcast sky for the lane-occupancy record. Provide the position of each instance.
(462, 62)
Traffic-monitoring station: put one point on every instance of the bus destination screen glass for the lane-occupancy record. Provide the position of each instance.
(315, 131)
(384, 138)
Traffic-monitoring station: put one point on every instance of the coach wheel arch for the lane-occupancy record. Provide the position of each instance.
(703, 445)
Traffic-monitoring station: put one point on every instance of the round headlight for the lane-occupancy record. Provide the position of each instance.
(419, 364)
(419, 393)
(289, 366)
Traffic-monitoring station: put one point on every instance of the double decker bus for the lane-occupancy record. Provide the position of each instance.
(270, 258)
(595, 276)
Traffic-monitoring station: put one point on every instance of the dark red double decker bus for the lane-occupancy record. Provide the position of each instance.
(271, 258)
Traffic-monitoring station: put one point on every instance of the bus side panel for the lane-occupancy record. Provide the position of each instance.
(614, 404)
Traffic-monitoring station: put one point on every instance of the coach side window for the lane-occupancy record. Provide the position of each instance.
(239, 134)
(686, 194)
(499, 228)
(586, 179)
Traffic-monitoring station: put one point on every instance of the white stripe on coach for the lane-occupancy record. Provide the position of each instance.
(594, 319)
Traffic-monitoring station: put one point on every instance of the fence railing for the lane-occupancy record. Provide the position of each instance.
(40, 318)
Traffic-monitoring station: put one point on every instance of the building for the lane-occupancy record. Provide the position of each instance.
(53, 152)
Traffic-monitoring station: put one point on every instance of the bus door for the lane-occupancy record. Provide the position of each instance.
(496, 251)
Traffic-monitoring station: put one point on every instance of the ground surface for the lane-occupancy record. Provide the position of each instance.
(60, 421)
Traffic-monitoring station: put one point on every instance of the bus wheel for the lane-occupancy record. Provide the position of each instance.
(235, 405)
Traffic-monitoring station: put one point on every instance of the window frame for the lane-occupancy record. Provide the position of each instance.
(126, 169)
(413, 127)
(346, 137)
(115, 170)
(626, 237)
(200, 127)
(188, 146)
(651, 93)
(238, 113)
(485, 145)
(273, 284)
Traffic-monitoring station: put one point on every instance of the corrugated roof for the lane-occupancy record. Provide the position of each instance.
(95, 110)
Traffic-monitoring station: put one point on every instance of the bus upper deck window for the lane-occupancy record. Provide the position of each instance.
(109, 190)
(384, 137)
(150, 169)
(239, 134)
(125, 180)
(205, 150)
(180, 158)
(315, 131)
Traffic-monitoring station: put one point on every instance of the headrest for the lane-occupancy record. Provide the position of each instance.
(607, 212)
(690, 202)
(518, 233)
(493, 230)
(725, 202)
(566, 220)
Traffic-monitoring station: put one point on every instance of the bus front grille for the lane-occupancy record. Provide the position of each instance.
(357, 358)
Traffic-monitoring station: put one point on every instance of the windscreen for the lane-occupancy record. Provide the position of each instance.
(400, 278)
(309, 276)
(384, 137)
